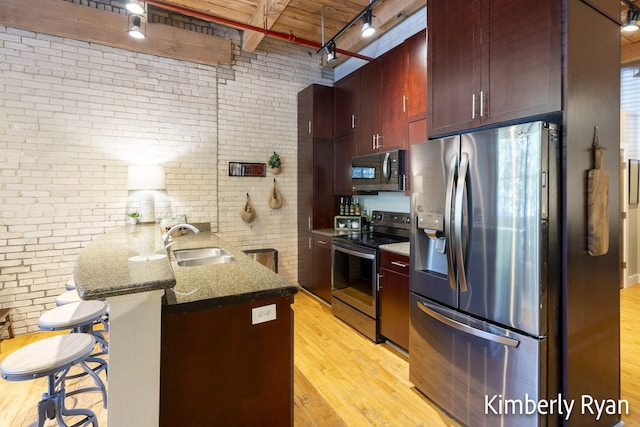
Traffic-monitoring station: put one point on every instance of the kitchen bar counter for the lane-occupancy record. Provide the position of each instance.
(145, 289)
(130, 260)
(238, 281)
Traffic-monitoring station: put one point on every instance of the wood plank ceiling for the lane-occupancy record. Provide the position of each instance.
(301, 19)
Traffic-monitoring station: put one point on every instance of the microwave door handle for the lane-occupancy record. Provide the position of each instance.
(448, 218)
(459, 208)
(500, 339)
(386, 166)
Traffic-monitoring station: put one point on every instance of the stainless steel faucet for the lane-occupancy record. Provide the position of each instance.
(166, 238)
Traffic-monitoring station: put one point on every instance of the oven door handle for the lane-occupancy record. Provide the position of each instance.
(354, 253)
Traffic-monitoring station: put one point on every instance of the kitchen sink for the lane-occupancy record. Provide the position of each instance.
(202, 256)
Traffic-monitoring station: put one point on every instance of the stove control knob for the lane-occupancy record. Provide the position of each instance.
(407, 220)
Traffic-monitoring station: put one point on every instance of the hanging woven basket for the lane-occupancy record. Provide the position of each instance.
(275, 197)
(248, 213)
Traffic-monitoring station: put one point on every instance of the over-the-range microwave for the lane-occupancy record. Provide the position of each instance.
(379, 171)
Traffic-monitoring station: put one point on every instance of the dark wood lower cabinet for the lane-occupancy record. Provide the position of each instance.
(219, 369)
(394, 298)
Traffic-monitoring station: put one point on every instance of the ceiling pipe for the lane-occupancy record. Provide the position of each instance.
(291, 38)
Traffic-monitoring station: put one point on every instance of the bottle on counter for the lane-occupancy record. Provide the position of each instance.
(364, 222)
(352, 208)
(341, 206)
(357, 210)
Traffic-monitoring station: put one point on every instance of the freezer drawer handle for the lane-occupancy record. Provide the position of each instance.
(468, 329)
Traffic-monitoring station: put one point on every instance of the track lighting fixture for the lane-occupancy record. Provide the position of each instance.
(136, 30)
(367, 30)
(330, 49)
(135, 7)
(367, 27)
(632, 21)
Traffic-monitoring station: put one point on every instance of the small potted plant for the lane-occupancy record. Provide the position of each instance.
(132, 217)
(274, 163)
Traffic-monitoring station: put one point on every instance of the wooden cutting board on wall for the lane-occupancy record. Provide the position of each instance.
(598, 205)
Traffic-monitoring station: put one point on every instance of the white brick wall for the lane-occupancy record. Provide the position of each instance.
(73, 115)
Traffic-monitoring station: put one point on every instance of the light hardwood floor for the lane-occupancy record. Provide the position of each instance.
(340, 377)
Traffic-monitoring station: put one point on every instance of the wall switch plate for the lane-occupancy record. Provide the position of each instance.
(263, 314)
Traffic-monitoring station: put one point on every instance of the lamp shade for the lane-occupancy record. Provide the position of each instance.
(145, 177)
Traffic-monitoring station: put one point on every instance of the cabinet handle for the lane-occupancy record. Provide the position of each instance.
(399, 264)
(310, 225)
(310, 243)
(353, 121)
(309, 127)
(373, 142)
(481, 103)
(473, 106)
(404, 104)
(322, 242)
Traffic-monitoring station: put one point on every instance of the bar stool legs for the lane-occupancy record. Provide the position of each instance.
(52, 406)
(52, 358)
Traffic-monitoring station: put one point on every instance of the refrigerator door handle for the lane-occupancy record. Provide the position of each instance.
(459, 208)
(448, 218)
(468, 329)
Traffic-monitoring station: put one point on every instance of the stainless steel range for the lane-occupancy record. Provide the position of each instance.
(354, 270)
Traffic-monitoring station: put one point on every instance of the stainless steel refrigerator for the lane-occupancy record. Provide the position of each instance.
(484, 275)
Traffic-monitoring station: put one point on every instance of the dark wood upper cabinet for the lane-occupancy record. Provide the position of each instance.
(346, 110)
(393, 97)
(499, 61)
(370, 107)
(315, 105)
(416, 84)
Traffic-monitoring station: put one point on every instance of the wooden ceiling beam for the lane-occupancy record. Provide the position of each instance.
(65, 19)
(267, 13)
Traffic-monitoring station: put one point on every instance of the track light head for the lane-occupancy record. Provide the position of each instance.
(136, 30)
(135, 7)
(367, 27)
(632, 21)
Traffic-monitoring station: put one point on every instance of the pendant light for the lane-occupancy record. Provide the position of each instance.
(135, 7)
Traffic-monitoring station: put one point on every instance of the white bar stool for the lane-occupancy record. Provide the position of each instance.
(79, 317)
(68, 297)
(52, 357)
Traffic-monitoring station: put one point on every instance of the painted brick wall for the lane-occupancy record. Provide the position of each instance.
(73, 115)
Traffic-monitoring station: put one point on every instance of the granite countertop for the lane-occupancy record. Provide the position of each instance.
(237, 281)
(398, 248)
(132, 259)
(331, 232)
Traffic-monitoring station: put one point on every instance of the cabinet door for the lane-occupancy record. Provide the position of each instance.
(524, 65)
(344, 149)
(315, 112)
(416, 85)
(346, 105)
(369, 99)
(393, 100)
(394, 298)
(305, 184)
(453, 66)
(305, 260)
(324, 205)
(322, 267)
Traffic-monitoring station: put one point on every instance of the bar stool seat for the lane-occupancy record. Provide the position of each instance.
(79, 317)
(52, 357)
(73, 315)
(68, 297)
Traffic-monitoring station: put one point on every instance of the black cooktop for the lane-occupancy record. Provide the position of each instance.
(372, 240)
(387, 227)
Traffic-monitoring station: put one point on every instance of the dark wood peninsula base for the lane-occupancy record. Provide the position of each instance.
(218, 368)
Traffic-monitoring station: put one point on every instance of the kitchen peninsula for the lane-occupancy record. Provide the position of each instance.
(190, 343)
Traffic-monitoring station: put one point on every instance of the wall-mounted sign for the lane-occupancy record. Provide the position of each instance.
(247, 169)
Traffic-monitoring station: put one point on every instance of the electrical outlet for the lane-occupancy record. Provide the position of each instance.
(263, 314)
